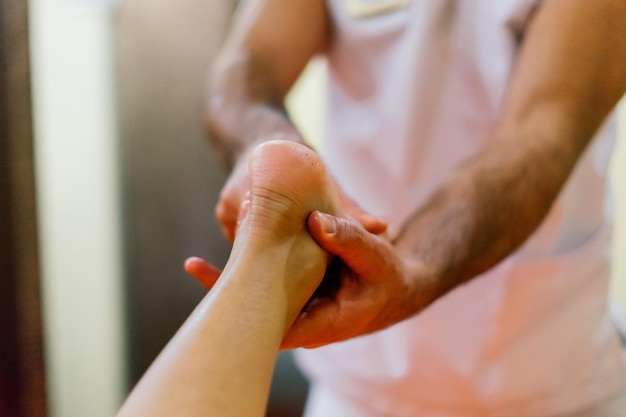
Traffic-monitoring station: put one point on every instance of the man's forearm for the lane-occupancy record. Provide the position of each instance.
(244, 106)
(268, 46)
(485, 211)
(570, 73)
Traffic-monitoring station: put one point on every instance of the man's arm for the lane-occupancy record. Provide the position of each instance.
(570, 73)
(268, 47)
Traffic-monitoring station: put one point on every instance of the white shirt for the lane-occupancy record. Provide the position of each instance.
(414, 92)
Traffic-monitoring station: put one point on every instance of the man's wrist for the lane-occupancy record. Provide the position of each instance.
(234, 130)
(423, 282)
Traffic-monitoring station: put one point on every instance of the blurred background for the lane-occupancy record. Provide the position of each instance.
(126, 183)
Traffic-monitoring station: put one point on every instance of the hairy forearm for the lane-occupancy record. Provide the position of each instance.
(244, 105)
(485, 211)
(570, 73)
(268, 46)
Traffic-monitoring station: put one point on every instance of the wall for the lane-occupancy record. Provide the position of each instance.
(22, 374)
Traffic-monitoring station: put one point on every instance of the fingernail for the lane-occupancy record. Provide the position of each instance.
(328, 224)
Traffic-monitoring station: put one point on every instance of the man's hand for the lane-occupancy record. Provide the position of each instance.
(203, 271)
(376, 287)
(233, 198)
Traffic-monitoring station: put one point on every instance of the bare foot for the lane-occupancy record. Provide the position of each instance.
(287, 182)
(229, 343)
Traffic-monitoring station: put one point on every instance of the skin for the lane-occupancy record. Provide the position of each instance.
(569, 74)
(228, 345)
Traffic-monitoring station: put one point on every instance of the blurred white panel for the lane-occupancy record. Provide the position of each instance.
(306, 102)
(78, 196)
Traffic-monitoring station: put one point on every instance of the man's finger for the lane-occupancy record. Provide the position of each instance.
(327, 321)
(359, 249)
(243, 212)
(203, 271)
(226, 216)
(315, 327)
(371, 223)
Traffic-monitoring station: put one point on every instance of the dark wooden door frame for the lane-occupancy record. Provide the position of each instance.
(22, 378)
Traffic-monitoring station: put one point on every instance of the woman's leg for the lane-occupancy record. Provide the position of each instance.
(220, 362)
